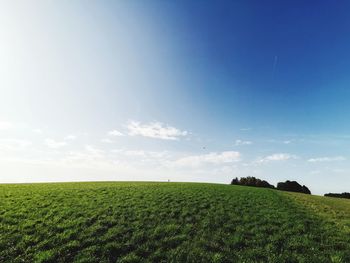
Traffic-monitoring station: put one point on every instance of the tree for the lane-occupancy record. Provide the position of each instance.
(235, 181)
(342, 195)
(251, 181)
(293, 186)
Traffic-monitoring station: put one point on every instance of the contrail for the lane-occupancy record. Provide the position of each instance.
(274, 66)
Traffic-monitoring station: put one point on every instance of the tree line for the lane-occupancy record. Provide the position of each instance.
(342, 195)
(291, 186)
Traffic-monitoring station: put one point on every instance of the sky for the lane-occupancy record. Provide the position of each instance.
(200, 91)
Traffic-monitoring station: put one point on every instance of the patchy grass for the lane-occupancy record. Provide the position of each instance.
(334, 210)
(169, 222)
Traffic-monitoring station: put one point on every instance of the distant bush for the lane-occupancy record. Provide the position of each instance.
(251, 181)
(342, 195)
(293, 186)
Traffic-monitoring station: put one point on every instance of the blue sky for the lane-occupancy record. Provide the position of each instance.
(179, 90)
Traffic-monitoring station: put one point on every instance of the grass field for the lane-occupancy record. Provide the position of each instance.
(169, 222)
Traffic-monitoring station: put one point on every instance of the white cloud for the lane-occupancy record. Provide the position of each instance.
(14, 144)
(117, 151)
(4, 125)
(155, 130)
(134, 153)
(115, 133)
(210, 158)
(279, 141)
(92, 150)
(277, 157)
(149, 154)
(327, 159)
(91, 157)
(107, 140)
(240, 142)
(315, 172)
(70, 137)
(38, 131)
(51, 143)
(133, 159)
(142, 155)
(246, 129)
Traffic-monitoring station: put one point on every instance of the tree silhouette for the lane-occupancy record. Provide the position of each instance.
(293, 186)
(251, 181)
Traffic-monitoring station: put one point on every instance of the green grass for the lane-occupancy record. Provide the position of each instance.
(169, 222)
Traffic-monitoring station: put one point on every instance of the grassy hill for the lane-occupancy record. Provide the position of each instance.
(169, 222)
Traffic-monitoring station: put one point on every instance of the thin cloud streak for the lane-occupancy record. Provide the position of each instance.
(241, 142)
(115, 133)
(327, 159)
(210, 158)
(51, 143)
(277, 157)
(156, 130)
